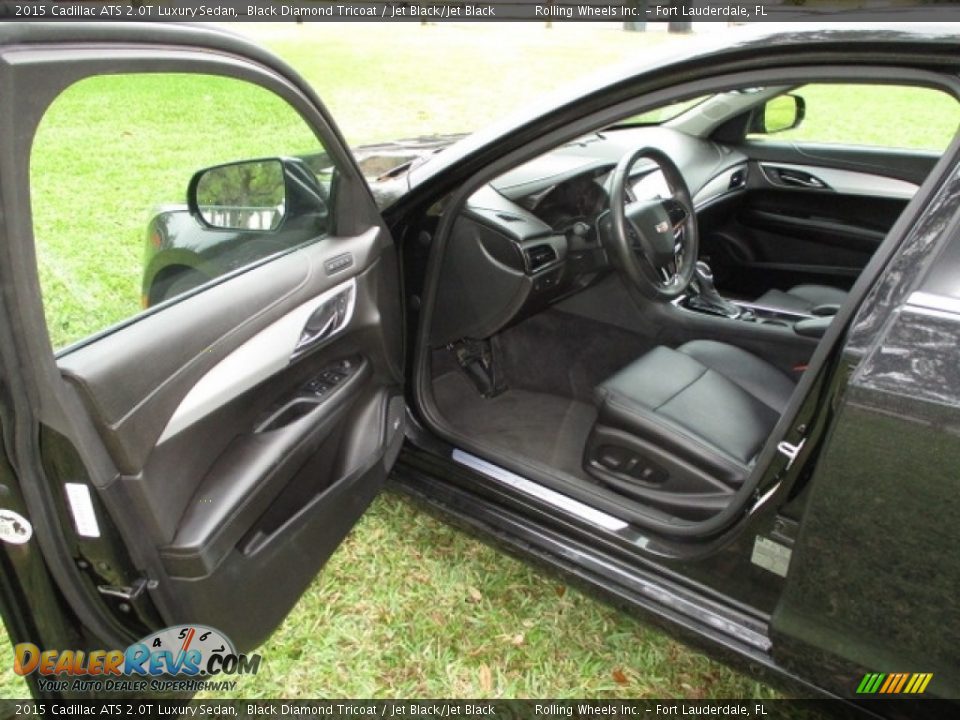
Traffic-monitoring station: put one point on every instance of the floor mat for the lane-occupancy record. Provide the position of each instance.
(547, 428)
(563, 354)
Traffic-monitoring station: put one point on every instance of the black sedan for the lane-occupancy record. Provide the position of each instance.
(708, 373)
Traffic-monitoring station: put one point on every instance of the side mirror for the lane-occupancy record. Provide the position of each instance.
(248, 195)
(783, 112)
(256, 194)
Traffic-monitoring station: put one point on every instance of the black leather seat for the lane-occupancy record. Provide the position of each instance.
(680, 419)
(802, 298)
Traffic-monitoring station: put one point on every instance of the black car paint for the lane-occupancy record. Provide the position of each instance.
(176, 246)
(59, 628)
(876, 584)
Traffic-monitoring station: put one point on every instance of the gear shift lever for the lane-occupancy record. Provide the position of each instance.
(706, 297)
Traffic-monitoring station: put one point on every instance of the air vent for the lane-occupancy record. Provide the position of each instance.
(539, 256)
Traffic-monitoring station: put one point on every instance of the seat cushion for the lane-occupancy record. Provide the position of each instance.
(711, 404)
(802, 298)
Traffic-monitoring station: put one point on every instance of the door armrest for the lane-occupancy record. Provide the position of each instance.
(813, 327)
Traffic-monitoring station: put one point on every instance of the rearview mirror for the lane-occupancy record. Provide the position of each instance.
(778, 114)
(247, 195)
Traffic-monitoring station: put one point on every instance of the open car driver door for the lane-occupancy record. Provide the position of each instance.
(193, 464)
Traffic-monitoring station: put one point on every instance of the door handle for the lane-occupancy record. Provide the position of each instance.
(789, 177)
(325, 322)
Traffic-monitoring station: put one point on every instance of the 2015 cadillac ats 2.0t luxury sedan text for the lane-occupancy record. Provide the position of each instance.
(647, 336)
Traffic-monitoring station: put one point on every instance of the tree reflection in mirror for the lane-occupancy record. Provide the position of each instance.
(248, 195)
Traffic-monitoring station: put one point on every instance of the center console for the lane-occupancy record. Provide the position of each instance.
(702, 297)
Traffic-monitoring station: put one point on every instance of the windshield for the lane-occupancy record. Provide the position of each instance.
(665, 113)
(384, 82)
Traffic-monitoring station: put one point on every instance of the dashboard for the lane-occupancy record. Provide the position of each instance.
(532, 236)
(580, 199)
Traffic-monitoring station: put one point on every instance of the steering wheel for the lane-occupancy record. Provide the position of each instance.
(654, 243)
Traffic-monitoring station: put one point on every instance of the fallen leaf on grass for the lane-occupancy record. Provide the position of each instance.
(619, 677)
(486, 679)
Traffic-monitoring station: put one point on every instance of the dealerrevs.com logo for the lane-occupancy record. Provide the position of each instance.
(176, 659)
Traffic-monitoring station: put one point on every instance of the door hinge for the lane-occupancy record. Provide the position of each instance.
(790, 451)
(127, 592)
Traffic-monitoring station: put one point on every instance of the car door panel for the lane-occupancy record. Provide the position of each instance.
(263, 551)
(816, 227)
(127, 364)
(222, 493)
(231, 437)
(281, 564)
(810, 215)
(911, 166)
(837, 235)
(190, 337)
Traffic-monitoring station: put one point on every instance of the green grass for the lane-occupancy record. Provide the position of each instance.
(918, 118)
(408, 607)
(383, 82)
(91, 207)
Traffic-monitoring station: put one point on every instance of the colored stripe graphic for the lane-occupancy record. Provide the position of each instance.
(894, 683)
(875, 684)
(885, 688)
(866, 683)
